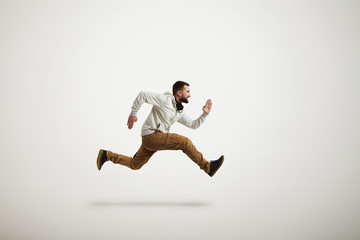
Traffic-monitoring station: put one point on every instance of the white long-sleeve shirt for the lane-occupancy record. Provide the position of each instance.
(163, 113)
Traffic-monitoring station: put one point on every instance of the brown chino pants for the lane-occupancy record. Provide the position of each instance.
(160, 141)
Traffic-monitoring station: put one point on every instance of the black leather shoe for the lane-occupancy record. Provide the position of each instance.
(215, 165)
(101, 159)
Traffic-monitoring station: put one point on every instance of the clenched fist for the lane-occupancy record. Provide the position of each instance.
(131, 121)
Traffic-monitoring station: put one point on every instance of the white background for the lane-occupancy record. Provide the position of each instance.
(284, 80)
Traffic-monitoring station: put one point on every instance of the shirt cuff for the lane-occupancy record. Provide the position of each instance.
(133, 113)
(204, 115)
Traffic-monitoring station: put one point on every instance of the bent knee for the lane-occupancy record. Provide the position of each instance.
(135, 167)
(187, 143)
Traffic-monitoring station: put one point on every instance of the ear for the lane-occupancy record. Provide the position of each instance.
(178, 93)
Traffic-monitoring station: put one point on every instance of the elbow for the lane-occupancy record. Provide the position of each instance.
(141, 94)
(195, 126)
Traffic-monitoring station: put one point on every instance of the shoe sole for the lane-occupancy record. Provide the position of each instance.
(223, 158)
(101, 152)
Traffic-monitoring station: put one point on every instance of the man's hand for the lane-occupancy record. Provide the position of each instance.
(131, 121)
(207, 107)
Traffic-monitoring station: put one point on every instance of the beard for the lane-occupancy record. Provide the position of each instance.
(184, 100)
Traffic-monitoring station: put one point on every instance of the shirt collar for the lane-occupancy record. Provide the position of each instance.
(178, 106)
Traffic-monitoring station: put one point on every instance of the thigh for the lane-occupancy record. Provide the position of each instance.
(165, 141)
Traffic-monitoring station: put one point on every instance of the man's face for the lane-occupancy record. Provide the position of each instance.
(185, 94)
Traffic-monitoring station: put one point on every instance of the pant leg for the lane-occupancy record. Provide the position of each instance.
(140, 158)
(171, 141)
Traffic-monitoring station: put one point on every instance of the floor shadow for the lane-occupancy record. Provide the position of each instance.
(188, 204)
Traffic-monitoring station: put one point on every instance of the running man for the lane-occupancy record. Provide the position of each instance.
(167, 109)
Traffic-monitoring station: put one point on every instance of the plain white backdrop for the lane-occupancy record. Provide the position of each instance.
(284, 80)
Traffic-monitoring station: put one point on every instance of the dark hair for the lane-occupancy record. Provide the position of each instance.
(179, 85)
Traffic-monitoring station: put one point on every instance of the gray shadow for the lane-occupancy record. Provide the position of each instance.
(179, 204)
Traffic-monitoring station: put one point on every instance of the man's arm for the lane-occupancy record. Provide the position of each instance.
(194, 124)
(143, 97)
